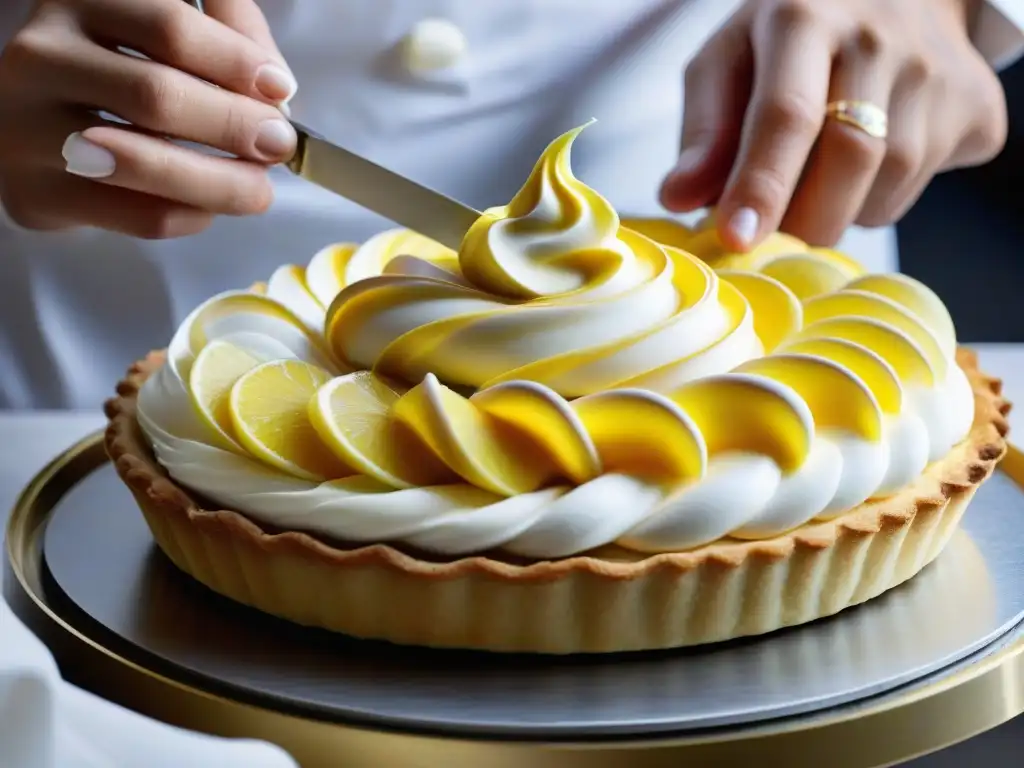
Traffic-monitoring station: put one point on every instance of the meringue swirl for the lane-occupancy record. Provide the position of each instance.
(551, 289)
(566, 381)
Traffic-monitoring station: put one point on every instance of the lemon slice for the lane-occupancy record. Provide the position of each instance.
(809, 275)
(778, 313)
(352, 416)
(269, 409)
(484, 450)
(214, 372)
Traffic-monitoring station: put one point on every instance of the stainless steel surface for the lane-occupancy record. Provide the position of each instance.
(100, 555)
(39, 436)
(382, 191)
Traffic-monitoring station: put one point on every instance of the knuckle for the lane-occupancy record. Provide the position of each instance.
(169, 27)
(918, 69)
(251, 195)
(48, 38)
(791, 114)
(879, 209)
(884, 207)
(238, 130)
(164, 223)
(155, 226)
(874, 217)
(30, 45)
(765, 189)
(987, 140)
(787, 14)
(992, 128)
(902, 161)
(868, 42)
(155, 99)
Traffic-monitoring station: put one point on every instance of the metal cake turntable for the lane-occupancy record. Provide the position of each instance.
(929, 663)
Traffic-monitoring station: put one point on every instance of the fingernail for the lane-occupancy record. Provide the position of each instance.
(85, 158)
(276, 138)
(689, 159)
(744, 224)
(285, 109)
(275, 82)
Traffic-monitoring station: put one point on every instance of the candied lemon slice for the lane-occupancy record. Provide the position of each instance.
(778, 313)
(837, 397)
(214, 372)
(709, 247)
(918, 298)
(868, 366)
(484, 450)
(352, 415)
(269, 409)
(737, 413)
(662, 231)
(812, 274)
(549, 420)
(860, 303)
(641, 433)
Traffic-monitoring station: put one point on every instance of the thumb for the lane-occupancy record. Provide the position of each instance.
(717, 88)
(245, 17)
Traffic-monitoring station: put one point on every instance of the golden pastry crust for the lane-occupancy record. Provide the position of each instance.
(604, 601)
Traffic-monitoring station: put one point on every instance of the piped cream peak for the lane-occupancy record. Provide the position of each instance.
(554, 236)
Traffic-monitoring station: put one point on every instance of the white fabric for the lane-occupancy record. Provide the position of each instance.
(45, 723)
(999, 31)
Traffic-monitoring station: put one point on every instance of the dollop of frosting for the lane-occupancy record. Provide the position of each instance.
(568, 380)
(550, 289)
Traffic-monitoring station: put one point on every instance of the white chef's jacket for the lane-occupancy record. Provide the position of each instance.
(77, 307)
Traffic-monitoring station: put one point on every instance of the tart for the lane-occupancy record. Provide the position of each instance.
(577, 434)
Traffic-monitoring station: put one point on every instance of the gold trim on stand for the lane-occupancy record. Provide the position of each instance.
(976, 698)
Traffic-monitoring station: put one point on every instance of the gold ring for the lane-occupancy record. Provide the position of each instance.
(864, 115)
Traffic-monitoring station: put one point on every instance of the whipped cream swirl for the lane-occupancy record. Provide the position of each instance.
(550, 289)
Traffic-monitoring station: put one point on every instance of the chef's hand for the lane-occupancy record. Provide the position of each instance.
(61, 165)
(757, 140)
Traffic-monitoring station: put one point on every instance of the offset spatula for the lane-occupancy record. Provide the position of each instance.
(376, 188)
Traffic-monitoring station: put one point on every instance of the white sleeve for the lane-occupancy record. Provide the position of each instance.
(998, 31)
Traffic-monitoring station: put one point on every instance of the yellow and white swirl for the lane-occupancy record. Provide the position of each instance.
(548, 289)
(562, 383)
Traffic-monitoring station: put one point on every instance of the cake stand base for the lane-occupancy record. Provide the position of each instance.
(930, 663)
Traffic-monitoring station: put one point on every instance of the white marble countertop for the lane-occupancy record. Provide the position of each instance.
(29, 439)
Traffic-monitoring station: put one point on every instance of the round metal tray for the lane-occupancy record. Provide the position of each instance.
(88, 578)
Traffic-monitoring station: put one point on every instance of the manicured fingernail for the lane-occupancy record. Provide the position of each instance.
(276, 138)
(275, 82)
(744, 224)
(285, 109)
(689, 159)
(85, 158)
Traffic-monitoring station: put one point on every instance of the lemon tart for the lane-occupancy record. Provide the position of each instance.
(575, 434)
